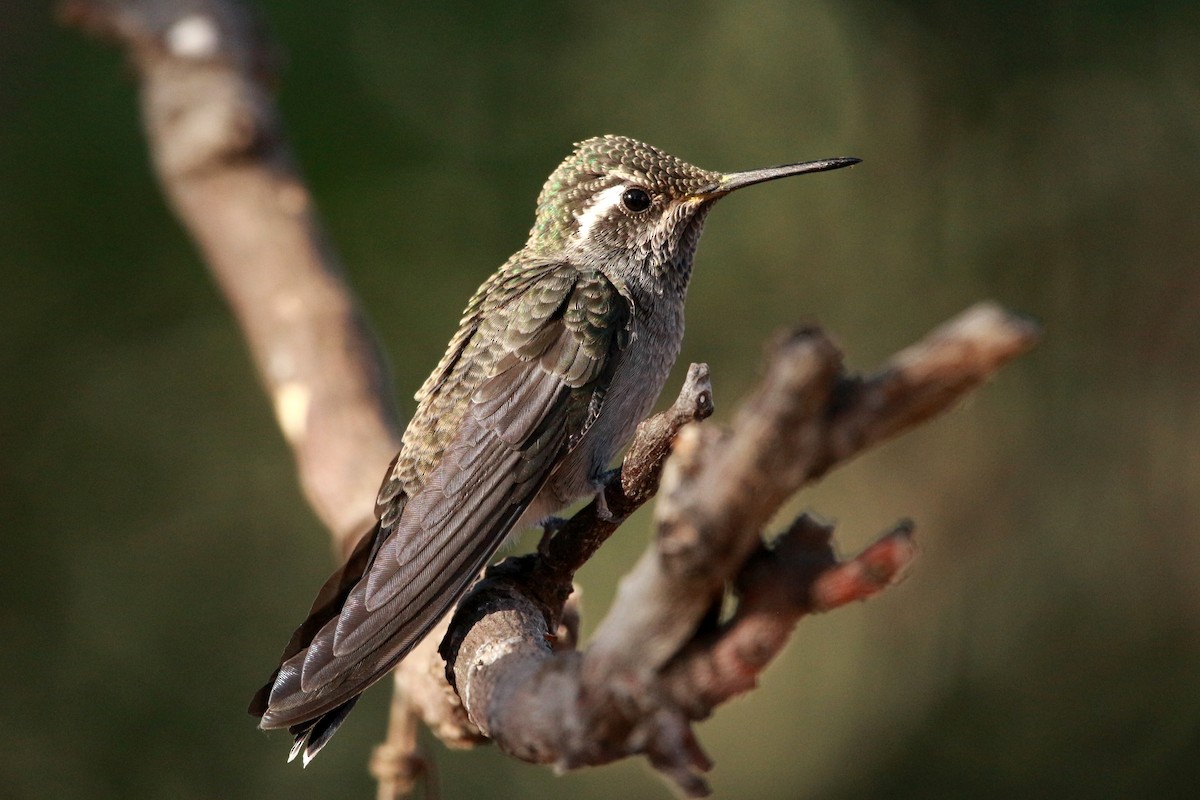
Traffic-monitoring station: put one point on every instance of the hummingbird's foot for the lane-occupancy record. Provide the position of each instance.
(602, 511)
(550, 526)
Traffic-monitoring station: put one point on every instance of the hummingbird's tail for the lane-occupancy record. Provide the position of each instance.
(312, 734)
(433, 543)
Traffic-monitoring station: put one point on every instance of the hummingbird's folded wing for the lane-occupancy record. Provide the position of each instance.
(548, 350)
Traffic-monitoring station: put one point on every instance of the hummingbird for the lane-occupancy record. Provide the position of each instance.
(558, 356)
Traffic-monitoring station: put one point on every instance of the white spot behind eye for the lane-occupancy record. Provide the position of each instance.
(194, 36)
(598, 209)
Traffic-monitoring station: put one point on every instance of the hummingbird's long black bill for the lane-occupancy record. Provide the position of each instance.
(738, 180)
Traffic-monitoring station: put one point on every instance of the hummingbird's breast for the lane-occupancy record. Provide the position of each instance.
(637, 381)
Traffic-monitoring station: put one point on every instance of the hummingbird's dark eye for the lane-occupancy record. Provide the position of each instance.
(635, 199)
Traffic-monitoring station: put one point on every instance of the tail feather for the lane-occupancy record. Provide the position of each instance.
(311, 735)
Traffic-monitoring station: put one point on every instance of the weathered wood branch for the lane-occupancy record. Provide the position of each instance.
(658, 660)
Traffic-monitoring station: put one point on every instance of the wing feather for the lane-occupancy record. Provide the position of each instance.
(547, 345)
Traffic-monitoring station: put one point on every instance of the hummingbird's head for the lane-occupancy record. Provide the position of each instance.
(632, 206)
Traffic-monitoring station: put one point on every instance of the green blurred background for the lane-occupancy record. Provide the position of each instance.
(157, 552)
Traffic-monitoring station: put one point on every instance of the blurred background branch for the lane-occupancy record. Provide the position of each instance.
(205, 77)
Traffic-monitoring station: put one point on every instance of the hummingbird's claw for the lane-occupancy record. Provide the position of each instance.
(602, 511)
(550, 526)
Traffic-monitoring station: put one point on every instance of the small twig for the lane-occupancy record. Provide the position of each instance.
(397, 764)
(777, 587)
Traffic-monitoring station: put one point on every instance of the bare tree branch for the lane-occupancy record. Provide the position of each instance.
(657, 661)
